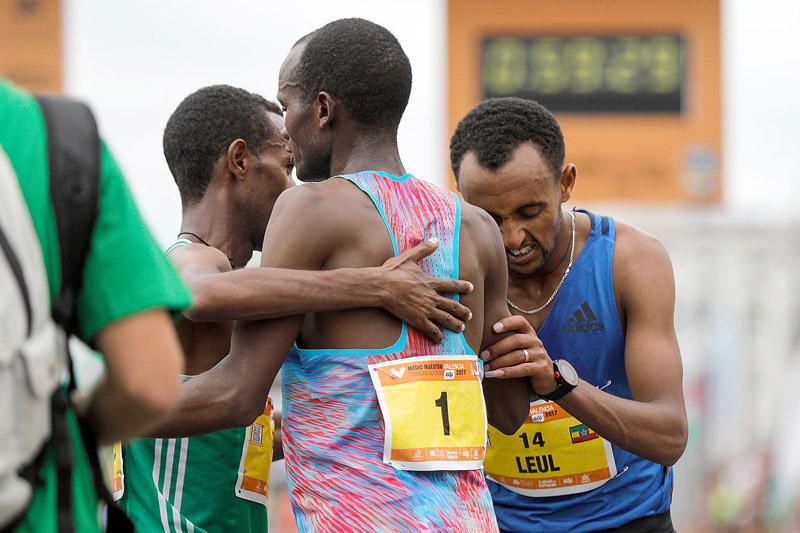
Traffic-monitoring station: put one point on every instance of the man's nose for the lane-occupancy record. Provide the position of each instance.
(513, 235)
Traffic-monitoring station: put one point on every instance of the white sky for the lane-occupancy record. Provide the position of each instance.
(135, 61)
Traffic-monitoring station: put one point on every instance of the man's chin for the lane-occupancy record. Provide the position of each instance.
(311, 177)
(306, 178)
(528, 270)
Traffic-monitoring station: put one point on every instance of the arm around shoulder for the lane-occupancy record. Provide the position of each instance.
(234, 392)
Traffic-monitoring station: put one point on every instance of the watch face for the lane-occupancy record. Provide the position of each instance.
(567, 372)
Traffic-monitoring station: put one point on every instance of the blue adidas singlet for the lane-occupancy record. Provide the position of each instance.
(583, 328)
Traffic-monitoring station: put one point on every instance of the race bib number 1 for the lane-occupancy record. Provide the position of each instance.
(433, 412)
(253, 481)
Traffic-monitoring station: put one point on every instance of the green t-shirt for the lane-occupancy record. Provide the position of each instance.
(125, 273)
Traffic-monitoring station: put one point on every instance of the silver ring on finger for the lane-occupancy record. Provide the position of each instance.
(526, 355)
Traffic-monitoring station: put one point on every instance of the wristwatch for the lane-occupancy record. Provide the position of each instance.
(566, 379)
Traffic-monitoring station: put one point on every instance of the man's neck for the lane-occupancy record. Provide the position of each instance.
(217, 226)
(373, 151)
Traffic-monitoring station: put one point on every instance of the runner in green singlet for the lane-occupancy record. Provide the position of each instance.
(225, 150)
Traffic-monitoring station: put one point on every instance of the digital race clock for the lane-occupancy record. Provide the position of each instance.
(625, 73)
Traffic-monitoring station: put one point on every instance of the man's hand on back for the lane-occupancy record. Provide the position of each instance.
(418, 299)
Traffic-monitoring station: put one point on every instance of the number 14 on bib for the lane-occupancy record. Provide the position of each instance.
(433, 412)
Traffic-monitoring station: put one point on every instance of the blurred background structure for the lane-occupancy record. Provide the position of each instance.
(680, 115)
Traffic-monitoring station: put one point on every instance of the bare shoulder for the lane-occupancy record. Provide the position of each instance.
(320, 200)
(641, 263)
(475, 215)
(195, 257)
(298, 197)
(309, 221)
(479, 226)
(635, 248)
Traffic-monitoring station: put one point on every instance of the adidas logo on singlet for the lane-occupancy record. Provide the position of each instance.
(583, 320)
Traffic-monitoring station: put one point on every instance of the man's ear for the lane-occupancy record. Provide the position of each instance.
(326, 109)
(568, 176)
(236, 158)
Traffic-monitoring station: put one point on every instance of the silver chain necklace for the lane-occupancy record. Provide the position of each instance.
(560, 283)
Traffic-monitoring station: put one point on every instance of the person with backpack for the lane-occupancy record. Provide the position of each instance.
(76, 259)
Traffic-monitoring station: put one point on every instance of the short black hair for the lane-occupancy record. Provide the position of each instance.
(361, 64)
(202, 127)
(496, 127)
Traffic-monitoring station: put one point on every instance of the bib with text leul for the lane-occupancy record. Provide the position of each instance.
(552, 454)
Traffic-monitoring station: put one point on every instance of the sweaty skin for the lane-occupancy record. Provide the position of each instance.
(525, 199)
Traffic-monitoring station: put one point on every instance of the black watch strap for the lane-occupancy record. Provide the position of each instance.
(563, 387)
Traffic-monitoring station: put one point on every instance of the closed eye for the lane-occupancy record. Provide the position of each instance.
(530, 213)
(531, 210)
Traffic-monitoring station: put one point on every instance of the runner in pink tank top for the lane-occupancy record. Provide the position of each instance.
(333, 432)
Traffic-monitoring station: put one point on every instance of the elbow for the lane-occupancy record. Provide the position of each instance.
(203, 308)
(662, 444)
(674, 445)
(243, 411)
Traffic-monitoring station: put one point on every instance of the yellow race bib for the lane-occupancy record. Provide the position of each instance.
(117, 474)
(253, 481)
(433, 412)
(552, 454)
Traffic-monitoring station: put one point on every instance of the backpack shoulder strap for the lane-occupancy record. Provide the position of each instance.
(73, 147)
(16, 268)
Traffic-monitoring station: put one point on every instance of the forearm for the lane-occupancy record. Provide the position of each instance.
(261, 293)
(111, 417)
(234, 392)
(208, 403)
(653, 430)
(507, 403)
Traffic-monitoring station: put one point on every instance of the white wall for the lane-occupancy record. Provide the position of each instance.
(135, 61)
(761, 107)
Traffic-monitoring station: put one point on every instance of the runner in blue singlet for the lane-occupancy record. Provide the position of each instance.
(608, 420)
